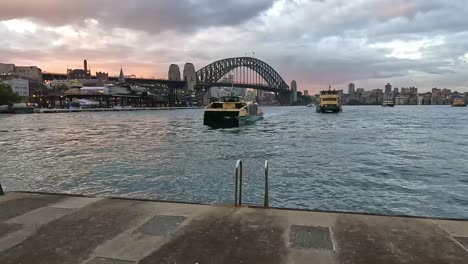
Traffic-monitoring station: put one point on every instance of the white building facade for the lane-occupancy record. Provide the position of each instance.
(19, 86)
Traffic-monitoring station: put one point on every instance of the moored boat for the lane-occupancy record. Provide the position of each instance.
(329, 102)
(388, 103)
(459, 102)
(231, 111)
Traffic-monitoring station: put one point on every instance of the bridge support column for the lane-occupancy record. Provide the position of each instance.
(172, 96)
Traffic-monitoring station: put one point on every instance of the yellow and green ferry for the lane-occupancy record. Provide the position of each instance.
(329, 102)
(231, 111)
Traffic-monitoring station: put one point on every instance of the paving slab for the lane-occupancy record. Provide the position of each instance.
(455, 228)
(387, 240)
(75, 202)
(72, 238)
(12, 207)
(40, 216)
(226, 235)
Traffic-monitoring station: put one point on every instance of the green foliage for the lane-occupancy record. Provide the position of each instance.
(7, 96)
(61, 87)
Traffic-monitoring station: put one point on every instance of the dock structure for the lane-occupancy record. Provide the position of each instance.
(115, 109)
(38, 228)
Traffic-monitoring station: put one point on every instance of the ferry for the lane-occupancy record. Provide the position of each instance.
(231, 111)
(388, 103)
(329, 102)
(459, 102)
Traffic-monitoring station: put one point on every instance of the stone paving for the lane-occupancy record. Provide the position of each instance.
(49, 229)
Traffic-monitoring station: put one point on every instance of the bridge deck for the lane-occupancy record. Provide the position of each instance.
(41, 228)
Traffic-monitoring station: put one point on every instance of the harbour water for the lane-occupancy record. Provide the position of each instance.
(404, 160)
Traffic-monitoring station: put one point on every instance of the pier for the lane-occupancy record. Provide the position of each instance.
(57, 228)
(115, 109)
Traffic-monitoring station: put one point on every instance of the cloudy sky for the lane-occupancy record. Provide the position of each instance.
(422, 43)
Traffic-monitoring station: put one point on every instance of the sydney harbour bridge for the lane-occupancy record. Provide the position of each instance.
(239, 72)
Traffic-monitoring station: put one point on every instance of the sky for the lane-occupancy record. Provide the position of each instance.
(421, 43)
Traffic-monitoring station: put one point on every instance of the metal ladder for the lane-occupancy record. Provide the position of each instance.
(239, 182)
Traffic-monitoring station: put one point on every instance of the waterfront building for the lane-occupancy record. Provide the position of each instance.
(344, 99)
(6, 69)
(445, 93)
(239, 91)
(10, 71)
(441, 96)
(32, 73)
(84, 73)
(413, 100)
(402, 100)
(425, 98)
(351, 90)
(251, 96)
(388, 88)
(102, 76)
(19, 86)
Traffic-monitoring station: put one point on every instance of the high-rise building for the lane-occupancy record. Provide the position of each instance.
(306, 92)
(174, 72)
(294, 90)
(190, 76)
(388, 88)
(351, 88)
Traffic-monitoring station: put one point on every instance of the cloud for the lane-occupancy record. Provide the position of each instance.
(148, 15)
(369, 42)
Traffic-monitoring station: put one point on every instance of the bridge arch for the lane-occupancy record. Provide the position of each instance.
(213, 72)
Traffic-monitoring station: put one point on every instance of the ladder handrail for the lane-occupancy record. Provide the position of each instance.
(266, 201)
(238, 184)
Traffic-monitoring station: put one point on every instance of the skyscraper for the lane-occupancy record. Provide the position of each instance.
(388, 88)
(351, 89)
(306, 93)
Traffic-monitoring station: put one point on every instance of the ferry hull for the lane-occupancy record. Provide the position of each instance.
(227, 119)
(221, 119)
(334, 109)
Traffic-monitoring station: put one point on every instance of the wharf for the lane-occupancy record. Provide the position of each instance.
(44, 228)
(49, 111)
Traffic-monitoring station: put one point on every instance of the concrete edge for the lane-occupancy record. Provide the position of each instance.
(248, 206)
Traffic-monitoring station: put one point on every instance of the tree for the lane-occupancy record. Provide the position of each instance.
(61, 88)
(7, 96)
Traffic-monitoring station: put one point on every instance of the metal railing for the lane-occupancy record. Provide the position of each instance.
(238, 186)
(266, 198)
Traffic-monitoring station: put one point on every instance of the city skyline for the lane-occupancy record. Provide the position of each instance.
(370, 43)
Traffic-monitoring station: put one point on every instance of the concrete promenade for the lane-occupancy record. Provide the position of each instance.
(59, 229)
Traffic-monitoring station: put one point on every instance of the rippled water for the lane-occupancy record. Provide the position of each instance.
(402, 160)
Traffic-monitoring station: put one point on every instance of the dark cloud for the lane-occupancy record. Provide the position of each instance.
(314, 42)
(148, 15)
